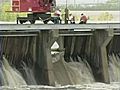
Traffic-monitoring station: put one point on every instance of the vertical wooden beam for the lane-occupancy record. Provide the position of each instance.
(60, 42)
(103, 37)
(67, 46)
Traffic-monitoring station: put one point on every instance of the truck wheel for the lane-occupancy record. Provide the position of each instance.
(45, 22)
(21, 22)
(32, 21)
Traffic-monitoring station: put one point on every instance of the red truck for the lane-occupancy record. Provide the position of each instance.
(39, 10)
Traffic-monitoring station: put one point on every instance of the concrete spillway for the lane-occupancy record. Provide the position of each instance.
(84, 52)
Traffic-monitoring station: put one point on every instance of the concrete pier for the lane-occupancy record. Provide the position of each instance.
(102, 39)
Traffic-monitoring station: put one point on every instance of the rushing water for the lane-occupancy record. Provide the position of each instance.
(72, 72)
(12, 76)
(80, 75)
(77, 73)
(114, 68)
(94, 86)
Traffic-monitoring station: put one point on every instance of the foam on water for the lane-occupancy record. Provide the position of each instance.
(94, 86)
(114, 68)
(77, 73)
(73, 72)
(12, 78)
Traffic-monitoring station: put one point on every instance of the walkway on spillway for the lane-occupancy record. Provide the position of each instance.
(65, 29)
(59, 26)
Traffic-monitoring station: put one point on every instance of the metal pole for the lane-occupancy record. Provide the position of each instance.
(66, 14)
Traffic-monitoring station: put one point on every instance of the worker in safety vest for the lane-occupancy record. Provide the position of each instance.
(71, 18)
(83, 19)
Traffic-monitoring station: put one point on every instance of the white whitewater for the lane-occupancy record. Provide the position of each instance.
(1, 76)
(114, 68)
(30, 79)
(72, 73)
(77, 73)
(11, 76)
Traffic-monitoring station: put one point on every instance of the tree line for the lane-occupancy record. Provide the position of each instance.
(110, 5)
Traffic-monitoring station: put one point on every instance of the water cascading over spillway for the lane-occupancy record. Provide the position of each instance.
(21, 64)
(16, 62)
(87, 47)
(72, 73)
(78, 66)
(12, 77)
(114, 59)
(114, 67)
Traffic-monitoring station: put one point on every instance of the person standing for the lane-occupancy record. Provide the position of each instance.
(71, 18)
(57, 16)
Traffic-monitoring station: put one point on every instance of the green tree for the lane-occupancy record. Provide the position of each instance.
(112, 1)
(5, 15)
(109, 5)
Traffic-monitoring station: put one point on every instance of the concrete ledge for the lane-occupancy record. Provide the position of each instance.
(59, 26)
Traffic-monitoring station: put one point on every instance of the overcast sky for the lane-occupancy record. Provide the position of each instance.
(80, 1)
